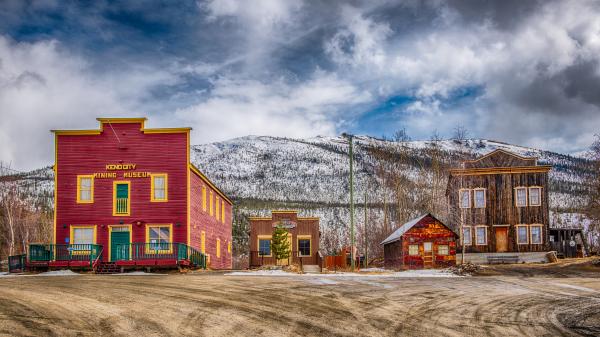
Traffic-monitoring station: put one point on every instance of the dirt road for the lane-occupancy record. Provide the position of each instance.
(221, 305)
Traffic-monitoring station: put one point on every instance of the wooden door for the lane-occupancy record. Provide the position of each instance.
(428, 254)
(119, 245)
(501, 239)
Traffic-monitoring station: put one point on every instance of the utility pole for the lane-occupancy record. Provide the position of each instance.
(350, 153)
(365, 233)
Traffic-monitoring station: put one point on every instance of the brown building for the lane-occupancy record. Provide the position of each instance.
(424, 242)
(500, 201)
(303, 234)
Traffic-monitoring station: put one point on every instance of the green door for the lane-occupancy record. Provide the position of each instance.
(119, 246)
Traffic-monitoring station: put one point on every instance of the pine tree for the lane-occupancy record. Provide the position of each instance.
(280, 245)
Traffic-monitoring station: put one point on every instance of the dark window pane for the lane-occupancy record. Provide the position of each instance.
(304, 246)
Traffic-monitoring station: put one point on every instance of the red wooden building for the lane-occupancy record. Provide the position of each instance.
(127, 196)
(424, 242)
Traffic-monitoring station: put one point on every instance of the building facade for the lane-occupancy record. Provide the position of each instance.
(303, 234)
(499, 202)
(424, 242)
(133, 192)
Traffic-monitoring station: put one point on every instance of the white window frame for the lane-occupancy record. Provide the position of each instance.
(526, 234)
(447, 250)
(409, 250)
(517, 196)
(539, 195)
(477, 236)
(475, 190)
(460, 195)
(470, 243)
(541, 234)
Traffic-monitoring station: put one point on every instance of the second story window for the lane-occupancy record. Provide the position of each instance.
(521, 196)
(85, 189)
(121, 204)
(158, 187)
(465, 198)
(479, 197)
(535, 196)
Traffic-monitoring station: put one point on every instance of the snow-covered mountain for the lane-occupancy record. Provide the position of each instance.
(315, 170)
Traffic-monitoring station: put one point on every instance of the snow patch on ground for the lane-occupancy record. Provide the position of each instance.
(137, 273)
(322, 281)
(370, 270)
(386, 274)
(575, 287)
(58, 273)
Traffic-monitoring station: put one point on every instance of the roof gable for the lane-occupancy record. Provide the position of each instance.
(500, 158)
(397, 234)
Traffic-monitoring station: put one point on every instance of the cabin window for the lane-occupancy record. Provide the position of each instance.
(218, 247)
(536, 234)
(159, 238)
(465, 198)
(467, 236)
(304, 246)
(442, 249)
(521, 196)
(479, 197)
(481, 235)
(218, 208)
(535, 194)
(203, 242)
(222, 211)
(264, 247)
(121, 204)
(85, 189)
(522, 238)
(158, 187)
(204, 198)
(413, 250)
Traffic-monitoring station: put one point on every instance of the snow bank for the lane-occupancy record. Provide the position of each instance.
(137, 273)
(384, 274)
(58, 273)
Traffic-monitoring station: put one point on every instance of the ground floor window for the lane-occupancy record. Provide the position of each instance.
(303, 246)
(536, 234)
(264, 247)
(467, 236)
(481, 235)
(522, 238)
(413, 249)
(159, 238)
(82, 238)
(442, 249)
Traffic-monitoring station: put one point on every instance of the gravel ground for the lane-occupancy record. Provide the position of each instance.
(214, 304)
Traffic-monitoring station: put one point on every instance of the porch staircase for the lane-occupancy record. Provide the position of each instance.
(107, 268)
(311, 269)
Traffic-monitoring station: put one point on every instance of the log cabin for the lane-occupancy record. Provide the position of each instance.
(424, 242)
(499, 205)
(127, 196)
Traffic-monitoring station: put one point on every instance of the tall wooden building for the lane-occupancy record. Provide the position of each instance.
(127, 195)
(303, 234)
(500, 201)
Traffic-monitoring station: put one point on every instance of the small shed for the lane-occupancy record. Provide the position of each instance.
(424, 242)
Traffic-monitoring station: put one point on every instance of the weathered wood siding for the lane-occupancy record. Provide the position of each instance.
(501, 209)
(303, 226)
(429, 229)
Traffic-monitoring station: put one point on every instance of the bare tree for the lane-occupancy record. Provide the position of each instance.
(592, 209)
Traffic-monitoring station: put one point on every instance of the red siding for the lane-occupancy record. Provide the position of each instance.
(125, 143)
(214, 229)
(429, 229)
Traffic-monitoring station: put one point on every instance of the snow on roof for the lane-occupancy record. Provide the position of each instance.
(403, 229)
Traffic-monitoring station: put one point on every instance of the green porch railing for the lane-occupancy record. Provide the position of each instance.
(139, 251)
(64, 252)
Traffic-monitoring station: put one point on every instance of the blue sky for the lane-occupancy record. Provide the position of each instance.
(525, 72)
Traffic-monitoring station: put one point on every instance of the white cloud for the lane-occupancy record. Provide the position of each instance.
(43, 87)
(240, 107)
